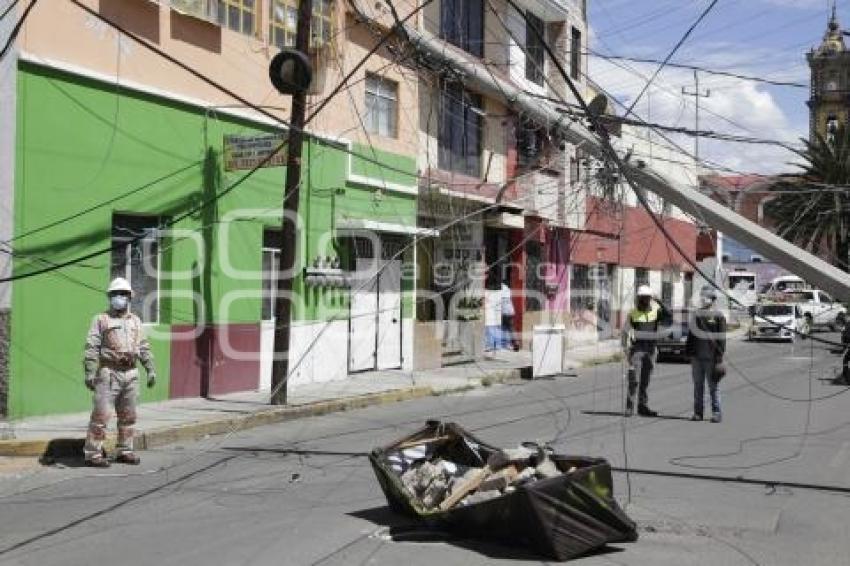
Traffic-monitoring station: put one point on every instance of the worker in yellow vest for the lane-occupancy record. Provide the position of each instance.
(643, 325)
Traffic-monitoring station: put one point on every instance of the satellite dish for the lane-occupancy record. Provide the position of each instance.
(599, 105)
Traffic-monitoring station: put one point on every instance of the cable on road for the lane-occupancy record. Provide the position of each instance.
(840, 489)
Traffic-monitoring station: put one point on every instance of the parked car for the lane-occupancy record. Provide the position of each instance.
(671, 344)
(777, 321)
(820, 310)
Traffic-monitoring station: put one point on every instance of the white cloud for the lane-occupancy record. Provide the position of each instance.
(735, 106)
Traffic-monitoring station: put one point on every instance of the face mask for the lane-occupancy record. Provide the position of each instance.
(119, 302)
(706, 302)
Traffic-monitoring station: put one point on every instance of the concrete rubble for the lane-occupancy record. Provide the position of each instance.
(436, 481)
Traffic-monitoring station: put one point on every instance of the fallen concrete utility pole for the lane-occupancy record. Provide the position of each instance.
(797, 261)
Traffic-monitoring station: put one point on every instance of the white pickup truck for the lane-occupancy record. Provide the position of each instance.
(820, 310)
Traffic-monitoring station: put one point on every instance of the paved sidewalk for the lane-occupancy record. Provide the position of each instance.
(189, 419)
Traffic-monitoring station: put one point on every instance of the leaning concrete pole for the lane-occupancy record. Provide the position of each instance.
(809, 267)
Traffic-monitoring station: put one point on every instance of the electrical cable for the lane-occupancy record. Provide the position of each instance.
(17, 29)
(641, 198)
(702, 69)
(253, 170)
(670, 55)
(8, 9)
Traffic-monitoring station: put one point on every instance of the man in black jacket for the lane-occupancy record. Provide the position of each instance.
(706, 346)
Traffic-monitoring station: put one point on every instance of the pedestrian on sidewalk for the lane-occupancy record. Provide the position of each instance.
(508, 313)
(706, 346)
(643, 327)
(114, 345)
(493, 339)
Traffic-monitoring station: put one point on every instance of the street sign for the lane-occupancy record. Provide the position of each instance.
(247, 152)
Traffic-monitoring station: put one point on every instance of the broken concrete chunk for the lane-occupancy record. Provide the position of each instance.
(504, 457)
(480, 496)
(526, 475)
(547, 469)
(415, 453)
(500, 480)
(435, 493)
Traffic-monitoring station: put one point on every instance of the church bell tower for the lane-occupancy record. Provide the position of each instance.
(829, 102)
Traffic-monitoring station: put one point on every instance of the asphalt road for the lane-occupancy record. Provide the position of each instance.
(302, 493)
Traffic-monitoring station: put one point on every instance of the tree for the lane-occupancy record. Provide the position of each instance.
(812, 209)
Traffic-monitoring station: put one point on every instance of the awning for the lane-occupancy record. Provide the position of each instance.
(505, 220)
(365, 225)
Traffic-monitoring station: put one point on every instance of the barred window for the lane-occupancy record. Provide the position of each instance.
(135, 257)
(581, 289)
(271, 263)
(283, 22)
(238, 15)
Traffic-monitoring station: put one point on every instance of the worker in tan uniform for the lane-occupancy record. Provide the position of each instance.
(114, 345)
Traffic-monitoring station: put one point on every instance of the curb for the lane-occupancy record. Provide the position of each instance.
(188, 432)
(200, 429)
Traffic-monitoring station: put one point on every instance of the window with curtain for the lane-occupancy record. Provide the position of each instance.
(534, 52)
(461, 126)
(462, 24)
(575, 54)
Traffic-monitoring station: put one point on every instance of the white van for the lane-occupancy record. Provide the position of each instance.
(784, 284)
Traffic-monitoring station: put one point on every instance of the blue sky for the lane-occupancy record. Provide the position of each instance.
(765, 38)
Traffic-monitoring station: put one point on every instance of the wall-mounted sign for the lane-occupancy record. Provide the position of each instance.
(247, 152)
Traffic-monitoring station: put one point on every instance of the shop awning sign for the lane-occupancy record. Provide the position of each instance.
(248, 152)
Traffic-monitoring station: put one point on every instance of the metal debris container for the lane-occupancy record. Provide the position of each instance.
(562, 509)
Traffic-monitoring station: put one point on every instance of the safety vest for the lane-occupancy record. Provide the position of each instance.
(644, 320)
(644, 327)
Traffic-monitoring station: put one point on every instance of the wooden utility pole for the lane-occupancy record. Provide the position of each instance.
(289, 239)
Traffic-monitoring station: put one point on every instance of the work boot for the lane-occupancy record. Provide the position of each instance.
(716, 418)
(696, 417)
(630, 408)
(97, 462)
(128, 458)
(645, 411)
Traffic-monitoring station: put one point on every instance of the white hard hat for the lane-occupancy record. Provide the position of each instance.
(119, 284)
(644, 291)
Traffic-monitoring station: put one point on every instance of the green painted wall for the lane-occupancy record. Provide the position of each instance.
(80, 144)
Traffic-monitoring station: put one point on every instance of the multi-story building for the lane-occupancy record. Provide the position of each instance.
(621, 246)
(500, 180)
(140, 140)
(119, 161)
